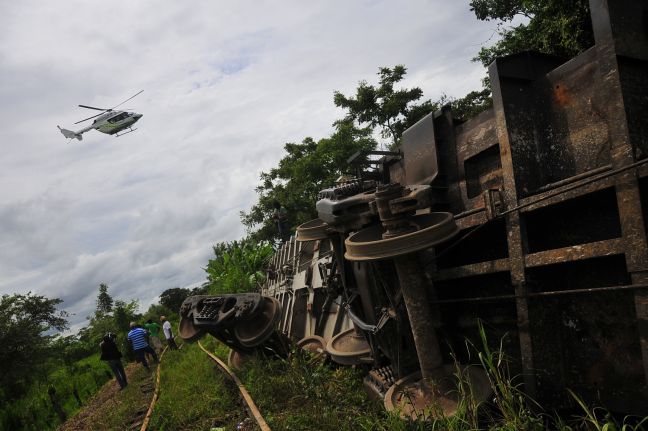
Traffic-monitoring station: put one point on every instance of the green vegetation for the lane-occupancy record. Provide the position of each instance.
(46, 378)
(556, 27)
(383, 106)
(236, 266)
(73, 385)
(306, 169)
(304, 392)
(193, 395)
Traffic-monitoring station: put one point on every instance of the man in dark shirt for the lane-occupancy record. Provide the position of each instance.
(111, 354)
(280, 215)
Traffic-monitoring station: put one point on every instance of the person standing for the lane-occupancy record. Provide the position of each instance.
(166, 327)
(139, 345)
(280, 215)
(154, 334)
(111, 354)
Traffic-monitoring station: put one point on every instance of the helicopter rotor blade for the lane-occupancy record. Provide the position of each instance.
(96, 109)
(136, 94)
(89, 118)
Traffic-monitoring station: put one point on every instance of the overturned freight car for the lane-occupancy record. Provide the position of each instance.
(530, 217)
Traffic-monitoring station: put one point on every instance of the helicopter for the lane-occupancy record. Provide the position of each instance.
(107, 121)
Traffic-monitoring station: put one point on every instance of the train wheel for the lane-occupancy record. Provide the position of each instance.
(313, 230)
(349, 348)
(314, 344)
(236, 360)
(409, 396)
(428, 230)
(255, 330)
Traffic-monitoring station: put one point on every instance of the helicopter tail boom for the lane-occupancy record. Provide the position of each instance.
(70, 134)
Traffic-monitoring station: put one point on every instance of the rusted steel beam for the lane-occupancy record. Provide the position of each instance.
(553, 197)
(600, 181)
(490, 267)
(421, 315)
(513, 222)
(576, 252)
(615, 44)
(471, 220)
(544, 294)
(573, 179)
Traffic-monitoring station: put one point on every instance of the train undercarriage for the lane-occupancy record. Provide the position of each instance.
(529, 219)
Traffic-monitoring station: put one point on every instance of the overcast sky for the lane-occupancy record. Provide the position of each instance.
(226, 84)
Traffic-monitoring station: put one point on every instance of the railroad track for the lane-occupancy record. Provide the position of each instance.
(251, 407)
(156, 393)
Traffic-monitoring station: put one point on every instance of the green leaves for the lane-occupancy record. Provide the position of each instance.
(236, 265)
(556, 27)
(104, 300)
(391, 109)
(24, 322)
(306, 168)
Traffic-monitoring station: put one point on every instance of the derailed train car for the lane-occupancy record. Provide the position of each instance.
(530, 217)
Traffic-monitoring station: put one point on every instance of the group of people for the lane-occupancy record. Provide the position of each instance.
(140, 339)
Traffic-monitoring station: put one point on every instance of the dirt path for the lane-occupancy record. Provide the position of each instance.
(112, 409)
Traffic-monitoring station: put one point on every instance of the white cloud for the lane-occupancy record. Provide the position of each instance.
(226, 85)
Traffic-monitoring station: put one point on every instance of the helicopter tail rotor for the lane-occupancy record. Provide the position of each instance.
(70, 134)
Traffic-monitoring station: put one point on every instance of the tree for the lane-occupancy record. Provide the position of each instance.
(472, 103)
(25, 321)
(104, 300)
(558, 27)
(303, 172)
(173, 298)
(382, 105)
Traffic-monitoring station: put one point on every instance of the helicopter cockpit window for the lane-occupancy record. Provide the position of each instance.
(119, 117)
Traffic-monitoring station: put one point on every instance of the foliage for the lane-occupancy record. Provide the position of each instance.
(73, 384)
(393, 110)
(306, 169)
(104, 300)
(557, 27)
(118, 323)
(591, 415)
(172, 298)
(511, 404)
(155, 311)
(236, 266)
(24, 322)
(472, 103)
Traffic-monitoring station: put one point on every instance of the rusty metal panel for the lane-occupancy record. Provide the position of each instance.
(420, 152)
(575, 138)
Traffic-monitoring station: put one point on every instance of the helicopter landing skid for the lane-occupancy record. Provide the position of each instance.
(117, 135)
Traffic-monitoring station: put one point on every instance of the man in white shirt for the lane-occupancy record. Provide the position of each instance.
(166, 328)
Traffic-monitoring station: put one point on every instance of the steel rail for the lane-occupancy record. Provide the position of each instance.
(244, 393)
(156, 393)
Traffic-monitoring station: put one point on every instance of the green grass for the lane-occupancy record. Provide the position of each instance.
(304, 393)
(194, 394)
